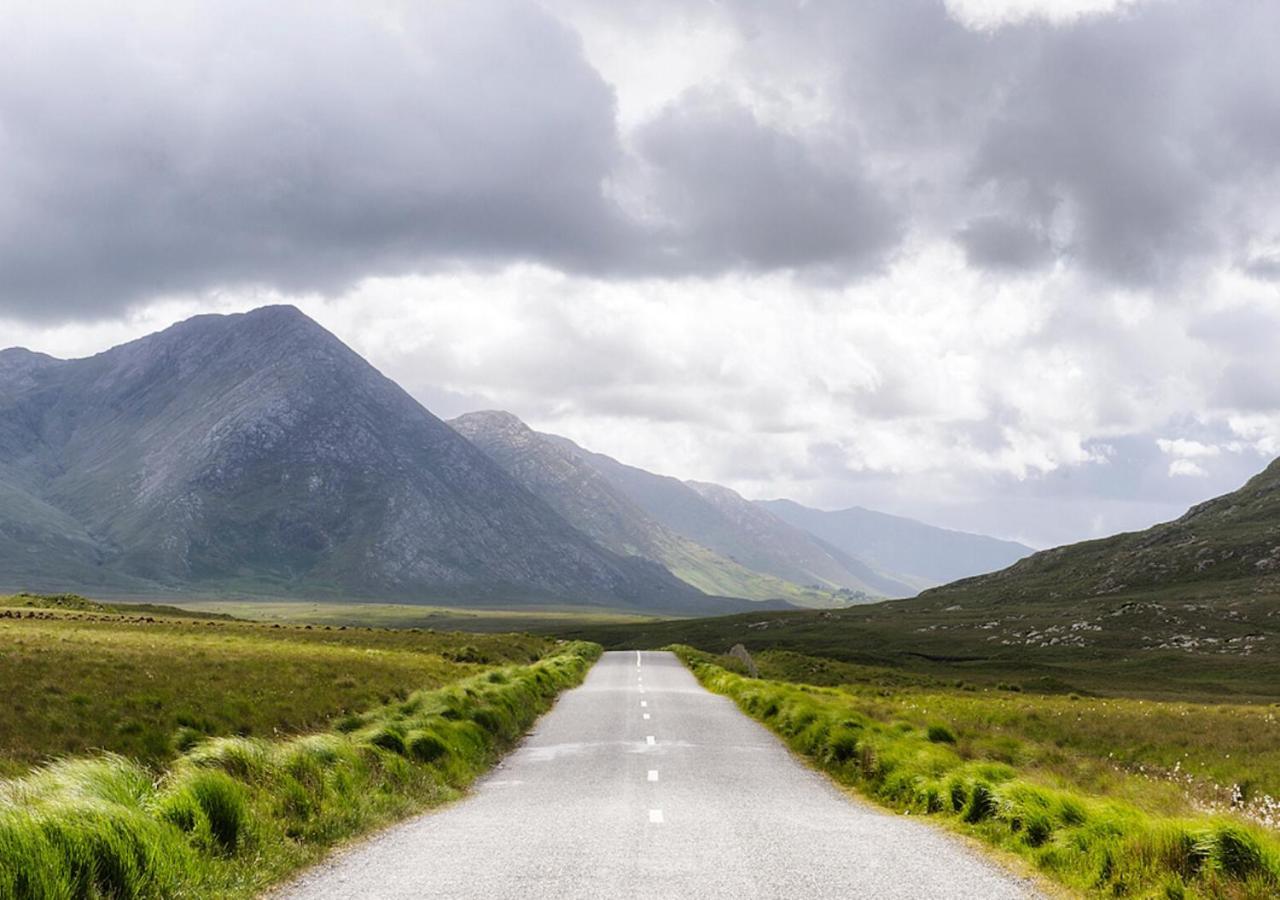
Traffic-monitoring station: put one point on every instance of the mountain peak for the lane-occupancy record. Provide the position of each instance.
(21, 357)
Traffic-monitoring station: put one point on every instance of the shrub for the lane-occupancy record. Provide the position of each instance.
(425, 746)
(210, 805)
(1037, 829)
(386, 737)
(186, 737)
(1236, 852)
(982, 803)
(940, 734)
(842, 744)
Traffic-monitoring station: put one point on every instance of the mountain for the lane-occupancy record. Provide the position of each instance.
(778, 547)
(1186, 609)
(923, 554)
(735, 544)
(556, 470)
(1227, 547)
(258, 454)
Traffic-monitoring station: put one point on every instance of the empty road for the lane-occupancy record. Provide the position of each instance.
(640, 783)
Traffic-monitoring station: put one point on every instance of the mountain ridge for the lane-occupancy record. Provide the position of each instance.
(927, 555)
(258, 453)
(557, 470)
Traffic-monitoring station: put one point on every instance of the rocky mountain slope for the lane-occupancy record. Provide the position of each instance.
(1227, 545)
(922, 554)
(256, 453)
(557, 471)
(705, 533)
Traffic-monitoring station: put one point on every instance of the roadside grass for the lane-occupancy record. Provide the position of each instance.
(147, 686)
(233, 815)
(1033, 775)
(1161, 755)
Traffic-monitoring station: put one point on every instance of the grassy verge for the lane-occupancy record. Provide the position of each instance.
(233, 815)
(1098, 845)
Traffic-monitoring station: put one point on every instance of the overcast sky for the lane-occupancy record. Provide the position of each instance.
(1011, 266)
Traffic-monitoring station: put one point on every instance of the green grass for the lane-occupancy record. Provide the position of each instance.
(1107, 797)
(146, 686)
(543, 620)
(234, 815)
(1111, 646)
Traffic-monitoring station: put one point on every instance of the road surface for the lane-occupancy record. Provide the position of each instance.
(640, 783)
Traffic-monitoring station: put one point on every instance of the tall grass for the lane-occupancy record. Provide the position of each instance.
(233, 815)
(1094, 845)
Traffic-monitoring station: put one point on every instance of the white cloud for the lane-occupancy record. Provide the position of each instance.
(984, 15)
(1186, 467)
(1187, 449)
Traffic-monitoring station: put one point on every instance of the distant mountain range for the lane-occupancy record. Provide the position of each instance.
(256, 454)
(713, 538)
(923, 555)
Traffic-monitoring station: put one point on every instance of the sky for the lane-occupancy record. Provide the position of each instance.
(1009, 266)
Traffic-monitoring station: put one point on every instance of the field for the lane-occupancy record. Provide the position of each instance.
(152, 753)
(1110, 796)
(539, 620)
(146, 685)
(1158, 646)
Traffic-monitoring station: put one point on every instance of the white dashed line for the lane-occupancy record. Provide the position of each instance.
(655, 816)
(644, 702)
(653, 774)
(646, 717)
(650, 740)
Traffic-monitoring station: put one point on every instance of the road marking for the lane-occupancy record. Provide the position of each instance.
(637, 659)
(650, 741)
(653, 774)
(644, 702)
(646, 716)
(655, 816)
(642, 688)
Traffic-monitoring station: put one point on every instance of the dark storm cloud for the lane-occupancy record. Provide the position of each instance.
(1142, 142)
(170, 148)
(991, 242)
(298, 146)
(739, 194)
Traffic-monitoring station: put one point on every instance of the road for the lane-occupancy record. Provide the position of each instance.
(640, 783)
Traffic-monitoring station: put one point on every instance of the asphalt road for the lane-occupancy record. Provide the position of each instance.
(640, 783)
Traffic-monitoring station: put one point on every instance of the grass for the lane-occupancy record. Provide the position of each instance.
(538, 620)
(1101, 795)
(1168, 647)
(234, 815)
(146, 686)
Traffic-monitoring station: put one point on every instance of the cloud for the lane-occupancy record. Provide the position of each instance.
(734, 193)
(193, 147)
(992, 14)
(166, 149)
(967, 261)
(1187, 468)
(991, 242)
(1187, 449)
